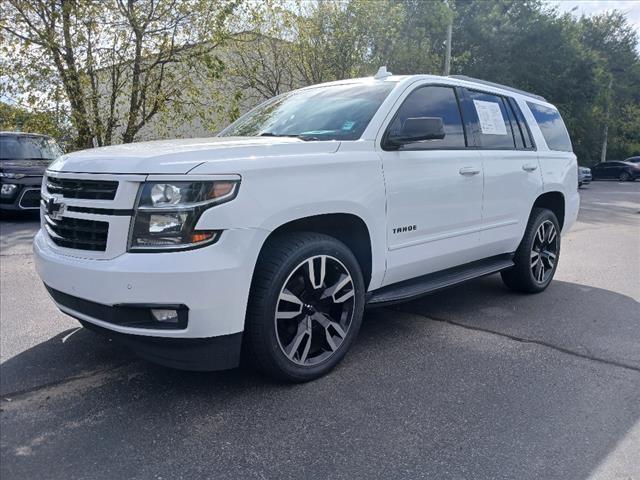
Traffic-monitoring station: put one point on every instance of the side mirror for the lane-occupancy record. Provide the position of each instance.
(417, 129)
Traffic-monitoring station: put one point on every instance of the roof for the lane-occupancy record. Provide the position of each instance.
(459, 79)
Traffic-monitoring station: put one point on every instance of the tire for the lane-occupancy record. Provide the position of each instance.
(624, 177)
(535, 260)
(302, 317)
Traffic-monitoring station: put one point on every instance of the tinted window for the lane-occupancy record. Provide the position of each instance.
(515, 128)
(522, 124)
(338, 112)
(552, 127)
(433, 102)
(26, 147)
(493, 120)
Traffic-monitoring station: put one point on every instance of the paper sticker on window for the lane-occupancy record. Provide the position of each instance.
(348, 125)
(491, 120)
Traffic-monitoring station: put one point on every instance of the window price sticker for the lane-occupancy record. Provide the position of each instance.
(491, 119)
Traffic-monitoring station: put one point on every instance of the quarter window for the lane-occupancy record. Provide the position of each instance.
(552, 127)
(433, 101)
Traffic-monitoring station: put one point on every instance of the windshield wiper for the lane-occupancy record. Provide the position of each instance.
(306, 138)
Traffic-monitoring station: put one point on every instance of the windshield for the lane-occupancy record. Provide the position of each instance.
(27, 147)
(338, 112)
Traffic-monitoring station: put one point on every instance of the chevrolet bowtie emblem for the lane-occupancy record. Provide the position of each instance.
(54, 209)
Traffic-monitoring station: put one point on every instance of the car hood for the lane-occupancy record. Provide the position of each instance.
(181, 156)
(29, 168)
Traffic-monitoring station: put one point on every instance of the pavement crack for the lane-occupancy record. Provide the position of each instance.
(542, 343)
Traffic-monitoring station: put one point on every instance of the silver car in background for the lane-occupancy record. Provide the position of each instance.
(584, 176)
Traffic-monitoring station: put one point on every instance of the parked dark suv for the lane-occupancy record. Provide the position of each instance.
(615, 169)
(23, 159)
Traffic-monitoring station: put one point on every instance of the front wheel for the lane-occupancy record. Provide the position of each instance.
(305, 307)
(624, 177)
(536, 258)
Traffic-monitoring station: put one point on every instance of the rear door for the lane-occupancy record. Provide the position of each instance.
(614, 169)
(512, 179)
(434, 189)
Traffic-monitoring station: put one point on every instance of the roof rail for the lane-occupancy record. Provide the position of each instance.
(498, 85)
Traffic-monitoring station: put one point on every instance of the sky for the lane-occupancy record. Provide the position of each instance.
(590, 7)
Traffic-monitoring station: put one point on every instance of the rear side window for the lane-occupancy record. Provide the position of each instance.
(433, 102)
(552, 127)
(495, 128)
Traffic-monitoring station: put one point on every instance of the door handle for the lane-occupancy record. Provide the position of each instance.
(469, 171)
(529, 167)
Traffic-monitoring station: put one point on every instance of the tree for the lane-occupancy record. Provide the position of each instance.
(115, 61)
(14, 118)
(415, 41)
(613, 43)
(337, 40)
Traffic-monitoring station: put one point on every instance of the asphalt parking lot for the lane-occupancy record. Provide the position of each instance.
(474, 382)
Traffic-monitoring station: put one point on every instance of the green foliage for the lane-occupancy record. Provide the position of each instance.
(117, 63)
(177, 61)
(16, 119)
(570, 62)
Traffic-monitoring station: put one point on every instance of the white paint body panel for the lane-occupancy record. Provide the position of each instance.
(459, 218)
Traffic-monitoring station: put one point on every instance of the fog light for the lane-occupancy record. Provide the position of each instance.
(7, 189)
(165, 315)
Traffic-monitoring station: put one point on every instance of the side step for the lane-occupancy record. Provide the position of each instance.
(416, 287)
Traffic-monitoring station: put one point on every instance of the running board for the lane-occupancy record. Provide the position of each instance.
(416, 287)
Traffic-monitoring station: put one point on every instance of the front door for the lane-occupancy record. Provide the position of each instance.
(434, 191)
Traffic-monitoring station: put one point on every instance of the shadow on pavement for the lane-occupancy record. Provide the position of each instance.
(415, 398)
(588, 320)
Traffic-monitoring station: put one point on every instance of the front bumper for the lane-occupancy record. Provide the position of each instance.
(212, 283)
(585, 178)
(203, 354)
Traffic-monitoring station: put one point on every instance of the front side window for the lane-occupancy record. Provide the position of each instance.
(336, 112)
(433, 101)
(494, 124)
(552, 127)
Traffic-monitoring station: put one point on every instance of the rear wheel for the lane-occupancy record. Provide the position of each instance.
(624, 177)
(536, 258)
(305, 307)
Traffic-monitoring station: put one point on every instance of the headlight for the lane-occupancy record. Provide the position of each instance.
(7, 189)
(167, 213)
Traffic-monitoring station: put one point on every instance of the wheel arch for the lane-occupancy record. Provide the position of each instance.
(349, 228)
(555, 202)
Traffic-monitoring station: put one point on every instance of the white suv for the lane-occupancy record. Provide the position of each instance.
(273, 237)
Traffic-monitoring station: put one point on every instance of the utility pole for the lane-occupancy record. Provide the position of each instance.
(605, 134)
(447, 58)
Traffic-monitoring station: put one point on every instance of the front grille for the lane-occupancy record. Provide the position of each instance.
(30, 198)
(78, 233)
(85, 189)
